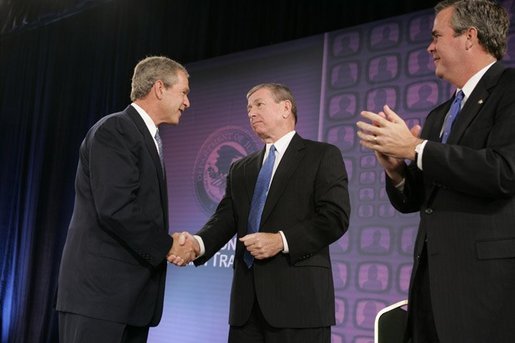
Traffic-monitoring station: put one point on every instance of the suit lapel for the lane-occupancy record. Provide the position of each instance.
(289, 163)
(251, 171)
(149, 141)
(475, 102)
(152, 150)
(434, 122)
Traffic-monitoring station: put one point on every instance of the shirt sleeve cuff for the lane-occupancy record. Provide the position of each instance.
(201, 244)
(286, 249)
(420, 151)
(400, 185)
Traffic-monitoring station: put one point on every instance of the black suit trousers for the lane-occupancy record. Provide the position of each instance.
(421, 326)
(257, 330)
(75, 328)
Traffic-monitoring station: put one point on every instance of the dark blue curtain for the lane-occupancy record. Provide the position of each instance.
(59, 74)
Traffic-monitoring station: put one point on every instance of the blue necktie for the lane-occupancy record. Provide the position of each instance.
(453, 113)
(259, 199)
(160, 149)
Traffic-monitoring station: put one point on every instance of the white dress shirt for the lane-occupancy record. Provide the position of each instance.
(280, 145)
(467, 90)
(152, 128)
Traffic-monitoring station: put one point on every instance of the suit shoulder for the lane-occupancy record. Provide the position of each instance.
(247, 159)
(114, 127)
(509, 71)
(508, 77)
(112, 120)
(319, 146)
(115, 122)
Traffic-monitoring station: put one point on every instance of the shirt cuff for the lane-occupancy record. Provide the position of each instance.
(400, 185)
(201, 244)
(420, 150)
(286, 249)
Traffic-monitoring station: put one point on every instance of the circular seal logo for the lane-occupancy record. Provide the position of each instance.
(222, 148)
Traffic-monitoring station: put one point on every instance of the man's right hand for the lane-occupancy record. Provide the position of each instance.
(185, 249)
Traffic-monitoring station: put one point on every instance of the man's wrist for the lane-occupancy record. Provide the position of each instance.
(285, 249)
(419, 150)
(200, 242)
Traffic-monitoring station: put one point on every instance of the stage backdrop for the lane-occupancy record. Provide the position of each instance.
(333, 77)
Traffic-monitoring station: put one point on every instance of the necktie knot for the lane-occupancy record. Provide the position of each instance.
(459, 96)
(453, 113)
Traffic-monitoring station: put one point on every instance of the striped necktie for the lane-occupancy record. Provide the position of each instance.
(453, 113)
(259, 199)
(160, 149)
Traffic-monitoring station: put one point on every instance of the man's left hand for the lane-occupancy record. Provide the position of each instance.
(263, 245)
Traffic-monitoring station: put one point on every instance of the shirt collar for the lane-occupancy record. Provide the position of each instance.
(473, 81)
(152, 128)
(281, 144)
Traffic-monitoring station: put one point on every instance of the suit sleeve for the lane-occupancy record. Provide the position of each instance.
(410, 199)
(330, 219)
(221, 227)
(126, 197)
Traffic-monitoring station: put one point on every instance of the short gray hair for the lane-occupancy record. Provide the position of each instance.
(151, 69)
(489, 18)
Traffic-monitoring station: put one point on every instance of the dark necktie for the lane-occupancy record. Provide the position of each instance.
(160, 149)
(453, 113)
(259, 199)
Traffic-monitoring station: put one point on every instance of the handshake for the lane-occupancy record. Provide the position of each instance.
(261, 245)
(185, 248)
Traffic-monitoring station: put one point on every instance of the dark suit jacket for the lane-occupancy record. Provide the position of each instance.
(308, 200)
(466, 199)
(113, 265)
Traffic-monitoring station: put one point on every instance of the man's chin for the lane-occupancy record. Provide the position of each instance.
(175, 119)
(438, 72)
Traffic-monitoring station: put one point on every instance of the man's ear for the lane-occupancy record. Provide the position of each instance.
(158, 89)
(472, 39)
(287, 108)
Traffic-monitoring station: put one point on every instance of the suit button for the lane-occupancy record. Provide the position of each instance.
(428, 211)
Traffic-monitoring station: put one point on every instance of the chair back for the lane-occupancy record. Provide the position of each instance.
(390, 323)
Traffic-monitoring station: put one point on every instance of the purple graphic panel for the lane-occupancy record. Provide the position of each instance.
(333, 77)
(212, 134)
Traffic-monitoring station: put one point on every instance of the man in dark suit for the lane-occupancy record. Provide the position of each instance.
(112, 273)
(282, 289)
(462, 180)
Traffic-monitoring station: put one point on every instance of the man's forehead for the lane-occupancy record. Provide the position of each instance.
(252, 98)
(260, 94)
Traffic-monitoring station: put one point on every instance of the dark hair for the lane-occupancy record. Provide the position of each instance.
(489, 19)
